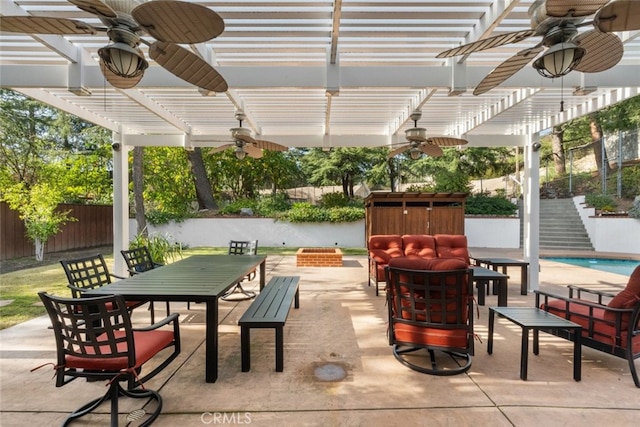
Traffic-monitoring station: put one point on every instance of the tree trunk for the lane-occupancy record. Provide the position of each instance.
(201, 181)
(596, 139)
(39, 244)
(557, 148)
(138, 187)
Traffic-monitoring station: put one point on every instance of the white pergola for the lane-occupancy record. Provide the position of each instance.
(320, 74)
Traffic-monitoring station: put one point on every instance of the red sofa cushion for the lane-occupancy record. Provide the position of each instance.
(452, 246)
(422, 245)
(382, 248)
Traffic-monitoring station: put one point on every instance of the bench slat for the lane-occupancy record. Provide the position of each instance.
(272, 305)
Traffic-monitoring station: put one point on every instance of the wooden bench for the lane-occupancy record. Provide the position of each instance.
(269, 310)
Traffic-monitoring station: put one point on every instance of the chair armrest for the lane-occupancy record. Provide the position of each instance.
(172, 318)
(580, 290)
(116, 276)
(569, 299)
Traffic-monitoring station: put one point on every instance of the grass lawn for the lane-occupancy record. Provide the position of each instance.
(22, 286)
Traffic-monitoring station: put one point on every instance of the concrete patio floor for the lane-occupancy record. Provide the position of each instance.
(339, 369)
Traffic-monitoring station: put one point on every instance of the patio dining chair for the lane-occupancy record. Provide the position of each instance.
(91, 272)
(95, 340)
(430, 307)
(241, 247)
(138, 261)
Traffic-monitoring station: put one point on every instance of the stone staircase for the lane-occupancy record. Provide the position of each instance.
(561, 226)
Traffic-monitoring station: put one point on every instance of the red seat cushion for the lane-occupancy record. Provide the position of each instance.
(452, 246)
(421, 245)
(602, 331)
(147, 344)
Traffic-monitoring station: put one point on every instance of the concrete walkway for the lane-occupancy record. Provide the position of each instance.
(339, 369)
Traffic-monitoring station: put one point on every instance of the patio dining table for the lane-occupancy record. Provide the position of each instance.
(198, 278)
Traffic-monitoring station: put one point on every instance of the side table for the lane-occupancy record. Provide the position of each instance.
(504, 263)
(535, 319)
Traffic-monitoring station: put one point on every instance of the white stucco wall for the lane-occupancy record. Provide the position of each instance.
(481, 232)
(218, 232)
(492, 232)
(610, 234)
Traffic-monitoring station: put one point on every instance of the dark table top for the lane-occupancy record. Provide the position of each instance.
(533, 317)
(500, 261)
(197, 278)
(486, 274)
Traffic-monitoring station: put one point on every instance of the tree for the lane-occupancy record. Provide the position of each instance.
(557, 150)
(138, 191)
(37, 206)
(344, 166)
(201, 182)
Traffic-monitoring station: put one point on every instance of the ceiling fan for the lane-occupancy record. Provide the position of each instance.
(244, 144)
(557, 22)
(419, 143)
(125, 21)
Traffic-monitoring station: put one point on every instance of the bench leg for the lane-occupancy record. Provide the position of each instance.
(279, 349)
(297, 298)
(245, 348)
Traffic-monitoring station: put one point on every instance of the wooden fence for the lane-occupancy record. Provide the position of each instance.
(94, 227)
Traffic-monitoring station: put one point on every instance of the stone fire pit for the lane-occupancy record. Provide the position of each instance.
(319, 257)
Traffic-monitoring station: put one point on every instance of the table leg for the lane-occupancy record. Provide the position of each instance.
(502, 292)
(524, 277)
(490, 339)
(536, 341)
(481, 285)
(577, 354)
(263, 273)
(524, 357)
(211, 341)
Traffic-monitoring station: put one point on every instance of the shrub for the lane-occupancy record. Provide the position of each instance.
(481, 204)
(634, 212)
(161, 248)
(157, 217)
(306, 212)
(334, 200)
(272, 205)
(236, 206)
(602, 202)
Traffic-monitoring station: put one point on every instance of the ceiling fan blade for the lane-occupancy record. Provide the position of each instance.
(252, 151)
(488, 43)
(446, 141)
(242, 136)
(507, 69)
(564, 8)
(271, 146)
(44, 25)
(117, 81)
(188, 66)
(398, 150)
(431, 150)
(178, 21)
(620, 15)
(95, 7)
(604, 50)
(222, 147)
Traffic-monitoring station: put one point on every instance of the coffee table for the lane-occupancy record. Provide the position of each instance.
(536, 320)
(494, 263)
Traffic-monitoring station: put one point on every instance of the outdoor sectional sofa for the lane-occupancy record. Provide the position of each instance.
(383, 248)
(610, 322)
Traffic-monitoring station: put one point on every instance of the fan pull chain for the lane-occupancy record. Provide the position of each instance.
(562, 94)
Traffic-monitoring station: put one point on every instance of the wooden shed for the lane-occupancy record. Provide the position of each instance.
(414, 213)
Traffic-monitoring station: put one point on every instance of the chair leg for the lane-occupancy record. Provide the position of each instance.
(113, 394)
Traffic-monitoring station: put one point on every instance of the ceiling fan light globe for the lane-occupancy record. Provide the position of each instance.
(240, 153)
(416, 134)
(123, 60)
(559, 60)
(415, 153)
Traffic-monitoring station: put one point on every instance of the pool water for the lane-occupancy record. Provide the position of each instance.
(619, 266)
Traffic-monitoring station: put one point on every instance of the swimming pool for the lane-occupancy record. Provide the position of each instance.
(619, 266)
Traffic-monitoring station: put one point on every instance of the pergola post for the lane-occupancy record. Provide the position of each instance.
(531, 214)
(120, 202)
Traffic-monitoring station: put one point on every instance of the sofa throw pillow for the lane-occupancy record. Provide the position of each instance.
(630, 295)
